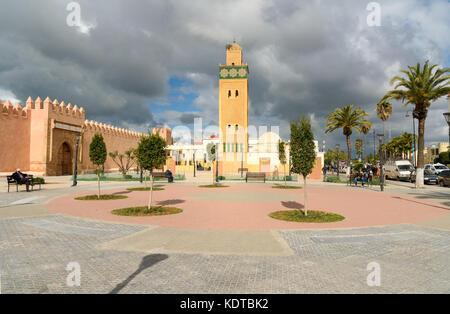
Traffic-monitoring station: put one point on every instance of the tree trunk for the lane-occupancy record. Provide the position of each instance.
(383, 152)
(150, 199)
(365, 147)
(213, 172)
(284, 167)
(305, 197)
(420, 157)
(98, 185)
(349, 156)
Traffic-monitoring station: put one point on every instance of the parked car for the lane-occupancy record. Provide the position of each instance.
(429, 177)
(398, 169)
(436, 168)
(444, 178)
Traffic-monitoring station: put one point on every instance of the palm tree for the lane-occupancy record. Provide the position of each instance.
(366, 129)
(347, 119)
(384, 110)
(358, 147)
(420, 87)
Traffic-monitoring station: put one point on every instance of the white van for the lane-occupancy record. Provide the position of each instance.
(398, 169)
(436, 168)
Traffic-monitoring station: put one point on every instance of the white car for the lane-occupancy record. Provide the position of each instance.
(436, 168)
(398, 169)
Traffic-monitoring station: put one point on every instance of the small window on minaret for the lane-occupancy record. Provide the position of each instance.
(229, 94)
(237, 93)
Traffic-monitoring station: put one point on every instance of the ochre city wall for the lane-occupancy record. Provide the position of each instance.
(115, 139)
(32, 138)
(14, 137)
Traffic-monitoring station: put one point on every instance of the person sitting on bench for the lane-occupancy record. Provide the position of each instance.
(365, 178)
(22, 178)
(357, 178)
(168, 175)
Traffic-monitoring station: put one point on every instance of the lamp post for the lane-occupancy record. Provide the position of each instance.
(77, 141)
(217, 163)
(337, 159)
(380, 140)
(193, 157)
(242, 163)
(447, 118)
(374, 144)
(413, 137)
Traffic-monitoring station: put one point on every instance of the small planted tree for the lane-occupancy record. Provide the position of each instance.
(123, 161)
(97, 155)
(151, 154)
(303, 152)
(211, 149)
(282, 157)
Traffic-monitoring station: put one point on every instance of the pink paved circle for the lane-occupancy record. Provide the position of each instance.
(360, 207)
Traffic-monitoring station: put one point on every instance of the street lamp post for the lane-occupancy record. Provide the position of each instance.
(413, 137)
(242, 163)
(337, 159)
(193, 157)
(217, 163)
(447, 118)
(77, 141)
(380, 140)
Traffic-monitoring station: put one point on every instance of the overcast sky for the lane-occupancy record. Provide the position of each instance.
(142, 63)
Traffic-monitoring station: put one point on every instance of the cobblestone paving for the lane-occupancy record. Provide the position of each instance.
(34, 253)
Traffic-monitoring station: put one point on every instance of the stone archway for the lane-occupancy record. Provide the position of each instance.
(64, 164)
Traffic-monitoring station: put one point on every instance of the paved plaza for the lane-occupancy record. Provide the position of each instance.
(39, 237)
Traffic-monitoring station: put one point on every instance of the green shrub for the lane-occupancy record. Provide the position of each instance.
(128, 177)
(38, 180)
(179, 177)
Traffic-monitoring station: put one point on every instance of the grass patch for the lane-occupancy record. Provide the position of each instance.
(287, 187)
(103, 197)
(128, 178)
(211, 186)
(145, 189)
(299, 216)
(143, 211)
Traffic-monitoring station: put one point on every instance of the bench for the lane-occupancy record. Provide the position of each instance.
(160, 175)
(352, 178)
(12, 181)
(255, 175)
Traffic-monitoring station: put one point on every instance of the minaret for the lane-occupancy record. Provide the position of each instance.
(233, 103)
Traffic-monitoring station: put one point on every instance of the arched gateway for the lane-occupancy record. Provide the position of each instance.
(64, 163)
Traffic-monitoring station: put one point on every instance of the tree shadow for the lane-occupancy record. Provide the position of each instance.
(121, 192)
(292, 205)
(430, 205)
(147, 261)
(170, 202)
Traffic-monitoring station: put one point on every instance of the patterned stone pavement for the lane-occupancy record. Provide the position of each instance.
(34, 253)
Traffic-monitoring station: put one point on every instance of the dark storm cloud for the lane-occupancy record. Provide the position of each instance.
(304, 56)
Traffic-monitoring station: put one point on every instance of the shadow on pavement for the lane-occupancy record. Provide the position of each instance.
(122, 192)
(147, 261)
(425, 197)
(292, 205)
(170, 202)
